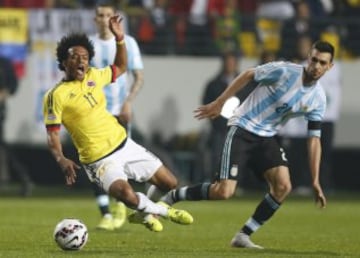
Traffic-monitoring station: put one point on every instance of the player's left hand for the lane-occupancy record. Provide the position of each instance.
(319, 196)
(125, 114)
(116, 27)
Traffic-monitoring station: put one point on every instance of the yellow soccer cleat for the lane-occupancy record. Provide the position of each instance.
(147, 220)
(106, 224)
(178, 216)
(119, 216)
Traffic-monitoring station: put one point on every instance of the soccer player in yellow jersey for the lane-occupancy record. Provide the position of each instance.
(119, 97)
(107, 155)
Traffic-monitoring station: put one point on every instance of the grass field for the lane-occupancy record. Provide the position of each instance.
(299, 229)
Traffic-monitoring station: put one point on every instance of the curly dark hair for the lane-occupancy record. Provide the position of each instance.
(70, 41)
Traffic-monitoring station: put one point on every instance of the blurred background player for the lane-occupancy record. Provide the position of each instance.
(119, 97)
(8, 161)
(294, 133)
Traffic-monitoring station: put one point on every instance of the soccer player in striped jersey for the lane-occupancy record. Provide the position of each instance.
(119, 98)
(284, 90)
(107, 155)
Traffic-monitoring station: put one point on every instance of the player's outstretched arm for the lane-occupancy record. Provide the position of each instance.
(68, 166)
(116, 27)
(213, 109)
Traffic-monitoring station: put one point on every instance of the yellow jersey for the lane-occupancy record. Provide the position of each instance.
(81, 107)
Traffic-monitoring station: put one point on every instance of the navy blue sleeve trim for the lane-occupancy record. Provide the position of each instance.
(314, 125)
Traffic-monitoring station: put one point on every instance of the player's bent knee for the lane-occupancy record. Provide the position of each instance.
(166, 185)
(282, 190)
(121, 190)
(287, 188)
(164, 179)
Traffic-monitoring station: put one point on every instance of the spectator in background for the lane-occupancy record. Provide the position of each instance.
(292, 29)
(267, 56)
(294, 133)
(218, 126)
(154, 32)
(193, 30)
(227, 28)
(27, 3)
(88, 4)
(275, 9)
(351, 11)
(8, 86)
(321, 8)
(302, 47)
(248, 12)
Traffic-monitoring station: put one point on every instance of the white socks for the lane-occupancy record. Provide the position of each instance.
(147, 206)
(154, 193)
(103, 200)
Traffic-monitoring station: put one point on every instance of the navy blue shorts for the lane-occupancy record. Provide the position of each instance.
(243, 149)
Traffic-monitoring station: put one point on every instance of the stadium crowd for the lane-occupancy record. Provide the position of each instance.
(210, 27)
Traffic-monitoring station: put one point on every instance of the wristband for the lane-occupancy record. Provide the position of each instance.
(122, 42)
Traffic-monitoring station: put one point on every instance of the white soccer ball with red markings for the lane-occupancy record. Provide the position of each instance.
(71, 234)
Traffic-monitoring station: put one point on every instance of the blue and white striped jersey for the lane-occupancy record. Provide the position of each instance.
(279, 96)
(104, 55)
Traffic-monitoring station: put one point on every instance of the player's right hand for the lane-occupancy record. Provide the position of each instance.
(116, 27)
(69, 168)
(211, 110)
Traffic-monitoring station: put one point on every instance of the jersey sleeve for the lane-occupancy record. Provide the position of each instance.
(134, 55)
(315, 116)
(269, 73)
(52, 109)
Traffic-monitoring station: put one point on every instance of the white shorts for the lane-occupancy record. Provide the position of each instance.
(132, 161)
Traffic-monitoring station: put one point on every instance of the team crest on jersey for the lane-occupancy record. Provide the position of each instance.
(91, 83)
(305, 109)
(234, 171)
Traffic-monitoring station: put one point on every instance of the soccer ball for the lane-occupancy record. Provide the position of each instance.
(71, 234)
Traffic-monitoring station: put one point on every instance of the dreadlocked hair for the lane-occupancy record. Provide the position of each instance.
(70, 41)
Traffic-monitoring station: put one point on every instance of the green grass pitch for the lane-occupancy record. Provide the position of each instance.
(299, 229)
